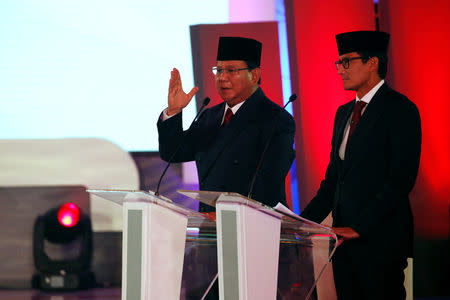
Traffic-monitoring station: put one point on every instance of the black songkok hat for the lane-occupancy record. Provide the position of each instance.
(358, 41)
(239, 48)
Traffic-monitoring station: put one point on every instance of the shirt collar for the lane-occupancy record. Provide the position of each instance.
(235, 108)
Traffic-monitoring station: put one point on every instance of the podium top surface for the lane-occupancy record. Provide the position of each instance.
(290, 220)
(290, 223)
(122, 196)
(211, 197)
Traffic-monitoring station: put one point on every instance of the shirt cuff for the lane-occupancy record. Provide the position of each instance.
(164, 115)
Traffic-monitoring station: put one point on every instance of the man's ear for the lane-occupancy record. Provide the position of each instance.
(374, 61)
(256, 75)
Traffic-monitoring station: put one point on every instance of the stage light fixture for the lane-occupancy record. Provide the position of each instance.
(62, 249)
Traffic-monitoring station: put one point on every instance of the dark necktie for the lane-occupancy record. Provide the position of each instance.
(228, 116)
(355, 117)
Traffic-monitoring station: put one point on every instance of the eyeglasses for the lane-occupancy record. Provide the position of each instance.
(230, 71)
(345, 62)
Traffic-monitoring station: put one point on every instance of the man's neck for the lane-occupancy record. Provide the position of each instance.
(368, 86)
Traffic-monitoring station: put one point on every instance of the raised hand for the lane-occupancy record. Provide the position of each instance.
(177, 98)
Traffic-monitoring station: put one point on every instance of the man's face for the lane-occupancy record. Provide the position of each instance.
(357, 76)
(235, 87)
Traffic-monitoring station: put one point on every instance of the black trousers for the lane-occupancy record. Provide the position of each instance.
(367, 275)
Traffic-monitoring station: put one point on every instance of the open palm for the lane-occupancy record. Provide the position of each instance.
(177, 98)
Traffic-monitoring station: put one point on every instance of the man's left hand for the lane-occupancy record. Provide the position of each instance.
(345, 233)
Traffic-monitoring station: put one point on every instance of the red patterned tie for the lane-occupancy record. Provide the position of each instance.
(228, 116)
(356, 116)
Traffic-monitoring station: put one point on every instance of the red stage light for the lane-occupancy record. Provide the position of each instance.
(68, 215)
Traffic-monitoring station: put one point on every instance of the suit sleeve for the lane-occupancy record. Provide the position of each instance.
(173, 141)
(405, 137)
(322, 203)
(270, 183)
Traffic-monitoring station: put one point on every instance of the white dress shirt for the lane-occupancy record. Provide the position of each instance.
(234, 109)
(366, 98)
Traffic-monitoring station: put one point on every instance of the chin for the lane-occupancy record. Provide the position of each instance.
(349, 87)
(227, 98)
(230, 102)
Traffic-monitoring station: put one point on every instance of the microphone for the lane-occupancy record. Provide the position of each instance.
(199, 113)
(292, 98)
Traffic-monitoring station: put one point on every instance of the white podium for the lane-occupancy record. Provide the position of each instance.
(154, 236)
(248, 244)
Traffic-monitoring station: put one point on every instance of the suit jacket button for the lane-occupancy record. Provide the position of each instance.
(235, 162)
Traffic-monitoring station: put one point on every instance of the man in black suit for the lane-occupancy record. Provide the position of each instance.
(373, 166)
(229, 139)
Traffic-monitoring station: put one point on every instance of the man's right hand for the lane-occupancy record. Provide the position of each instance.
(177, 98)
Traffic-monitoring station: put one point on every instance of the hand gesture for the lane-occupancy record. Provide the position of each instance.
(177, 98)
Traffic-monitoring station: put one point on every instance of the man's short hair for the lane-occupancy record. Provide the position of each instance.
(382, 60)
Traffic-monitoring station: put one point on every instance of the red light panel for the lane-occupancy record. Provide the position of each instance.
(419, 65)
(312, 26)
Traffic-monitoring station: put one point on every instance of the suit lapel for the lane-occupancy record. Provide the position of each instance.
(247, 113)
(366, 124)
(342, 121)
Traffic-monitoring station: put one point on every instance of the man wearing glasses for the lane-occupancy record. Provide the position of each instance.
(373, 166)
(229, 139)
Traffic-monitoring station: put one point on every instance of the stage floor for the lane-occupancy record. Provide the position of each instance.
(92, 294)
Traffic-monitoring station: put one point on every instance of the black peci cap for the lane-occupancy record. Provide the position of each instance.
(357, 41)
(239, 48)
